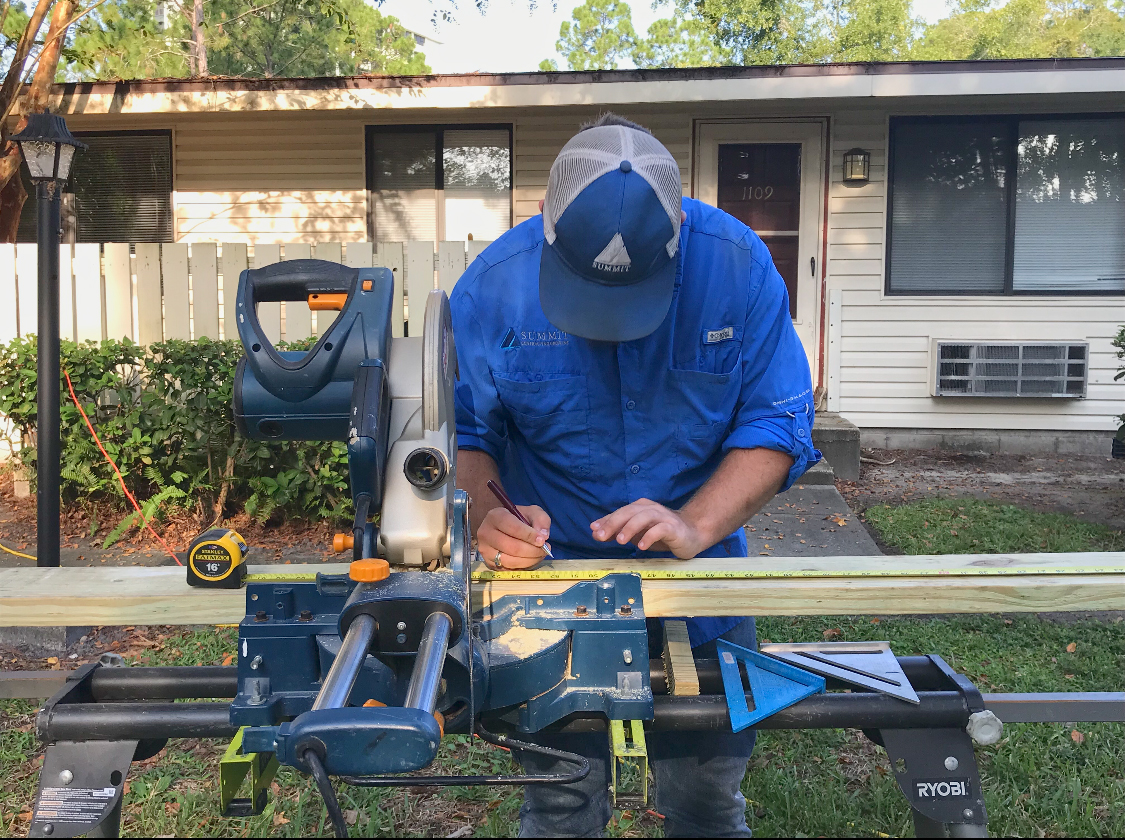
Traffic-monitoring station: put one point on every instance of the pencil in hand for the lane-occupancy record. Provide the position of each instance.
(510, 506)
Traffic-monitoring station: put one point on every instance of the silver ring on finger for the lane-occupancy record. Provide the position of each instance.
(496, 561)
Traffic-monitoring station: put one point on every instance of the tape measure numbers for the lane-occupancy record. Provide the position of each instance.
(756, 574)
(485, 575)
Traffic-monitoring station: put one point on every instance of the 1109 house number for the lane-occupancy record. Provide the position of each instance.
(756, 193)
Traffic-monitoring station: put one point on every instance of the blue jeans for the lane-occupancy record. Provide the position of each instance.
(698, 776)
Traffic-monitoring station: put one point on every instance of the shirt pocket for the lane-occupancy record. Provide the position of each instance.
(703, 404)
(552, 415)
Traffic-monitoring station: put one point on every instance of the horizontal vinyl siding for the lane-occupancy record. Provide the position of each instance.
(885, 340)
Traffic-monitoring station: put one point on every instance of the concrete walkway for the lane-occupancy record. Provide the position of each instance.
(808, 520)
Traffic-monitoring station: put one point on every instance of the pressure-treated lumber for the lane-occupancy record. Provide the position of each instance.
(679, 663)
(73, 596)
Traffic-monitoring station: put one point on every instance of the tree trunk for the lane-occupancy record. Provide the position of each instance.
(11, 87)
(12, 193)
(198, 43)
(12, 197)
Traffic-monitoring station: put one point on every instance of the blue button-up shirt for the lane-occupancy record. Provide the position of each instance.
(582, 428)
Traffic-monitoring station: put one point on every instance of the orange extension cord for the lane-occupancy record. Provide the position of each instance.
(120, 478)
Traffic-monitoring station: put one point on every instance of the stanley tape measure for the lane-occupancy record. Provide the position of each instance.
(217, 558)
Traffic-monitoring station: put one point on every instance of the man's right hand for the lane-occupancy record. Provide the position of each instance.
(520, 546)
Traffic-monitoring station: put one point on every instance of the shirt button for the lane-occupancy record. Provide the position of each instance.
(630, 405)
(800, 433)
(634, 469)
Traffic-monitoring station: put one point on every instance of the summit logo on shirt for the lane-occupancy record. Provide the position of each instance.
(514, 339)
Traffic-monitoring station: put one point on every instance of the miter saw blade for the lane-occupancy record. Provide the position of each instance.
(870, 665)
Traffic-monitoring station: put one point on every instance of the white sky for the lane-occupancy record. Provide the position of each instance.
(510, 38)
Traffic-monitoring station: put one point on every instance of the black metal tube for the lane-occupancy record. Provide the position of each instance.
(920, 670)
(164, 683)
(47, 437)
(134, 721)
(708, 712)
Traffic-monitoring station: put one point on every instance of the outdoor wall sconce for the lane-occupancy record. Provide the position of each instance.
(857, 166)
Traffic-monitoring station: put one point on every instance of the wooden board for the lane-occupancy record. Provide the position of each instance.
(390, 256)
(88, 294)
(150, 314)
(118, 291)
(74, 596)
(419, 259)
(27, 278)
(451, 264)
(233, 263)
(9, 311)
(205, 290)
(66, 293)
(177, 295)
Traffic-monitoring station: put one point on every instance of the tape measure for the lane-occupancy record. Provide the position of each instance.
(487, 575)
(217, 558)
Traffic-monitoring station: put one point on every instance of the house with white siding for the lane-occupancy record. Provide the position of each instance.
(952, 234)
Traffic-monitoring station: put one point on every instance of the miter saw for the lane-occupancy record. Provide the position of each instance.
(359, 675)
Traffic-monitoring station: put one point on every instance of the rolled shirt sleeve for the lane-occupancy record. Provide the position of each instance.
(775, 405)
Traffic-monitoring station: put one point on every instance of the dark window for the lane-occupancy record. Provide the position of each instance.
(120, 190)
(1007, 205)
(432, 183)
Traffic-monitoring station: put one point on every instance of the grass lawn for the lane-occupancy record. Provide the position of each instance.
(1040, 780)
(973, 526)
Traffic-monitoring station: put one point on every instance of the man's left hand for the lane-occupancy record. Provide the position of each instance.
(651, 526)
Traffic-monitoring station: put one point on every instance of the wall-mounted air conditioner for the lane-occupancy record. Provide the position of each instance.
(1009, 368)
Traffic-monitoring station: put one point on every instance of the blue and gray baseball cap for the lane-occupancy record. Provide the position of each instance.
(611, 220)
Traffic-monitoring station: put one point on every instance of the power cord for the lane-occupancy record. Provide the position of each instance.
(17, 553)
(324, 784)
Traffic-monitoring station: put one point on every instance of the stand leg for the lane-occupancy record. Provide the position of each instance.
(80, 789)
(936, 769)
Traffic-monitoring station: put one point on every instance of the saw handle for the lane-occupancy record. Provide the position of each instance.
(299, 280)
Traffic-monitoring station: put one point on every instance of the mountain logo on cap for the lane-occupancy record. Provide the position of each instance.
(613, 257)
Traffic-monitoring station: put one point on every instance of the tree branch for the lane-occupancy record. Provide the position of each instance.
(10, 88)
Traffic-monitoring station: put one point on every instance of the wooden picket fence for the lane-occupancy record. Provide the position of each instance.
(150, 292)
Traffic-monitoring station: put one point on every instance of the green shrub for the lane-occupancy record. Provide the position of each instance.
(164, 415)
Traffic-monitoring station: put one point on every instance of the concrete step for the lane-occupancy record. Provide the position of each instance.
(819, 474)
(838, 441)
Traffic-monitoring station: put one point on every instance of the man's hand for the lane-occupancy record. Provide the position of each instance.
(520, 546)
(651, 526)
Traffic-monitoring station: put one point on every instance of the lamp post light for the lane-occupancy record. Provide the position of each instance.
(48, 150)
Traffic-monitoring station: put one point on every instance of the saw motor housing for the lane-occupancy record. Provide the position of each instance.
(390, 399)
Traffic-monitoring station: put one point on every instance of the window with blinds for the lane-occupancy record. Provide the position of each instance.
(431, 184)
(120, 190)
(1007, 205)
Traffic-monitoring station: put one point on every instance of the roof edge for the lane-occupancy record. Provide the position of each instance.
(214, 84)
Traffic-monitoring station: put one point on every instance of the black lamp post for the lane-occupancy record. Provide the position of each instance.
(48, 149)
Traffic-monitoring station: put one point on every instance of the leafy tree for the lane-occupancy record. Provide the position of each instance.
(121, 40)
(1026, 29)
(762, 31)
(874, 30)
(249, 38)
(599, 36)
(679, 41)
